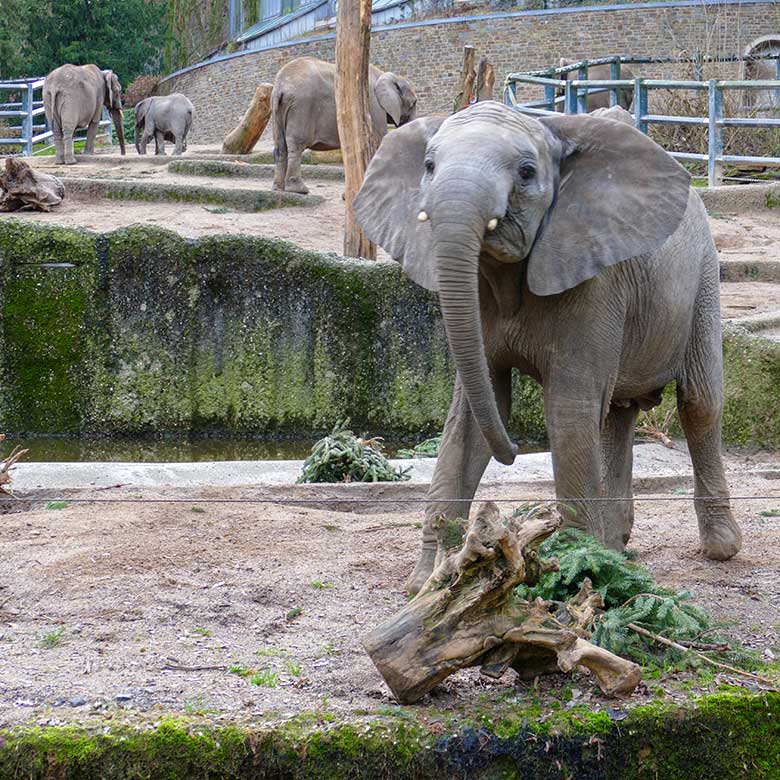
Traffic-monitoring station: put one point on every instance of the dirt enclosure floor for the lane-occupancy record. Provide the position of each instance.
(134, 610)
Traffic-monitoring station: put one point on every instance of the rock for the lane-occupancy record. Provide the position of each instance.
(78, 701)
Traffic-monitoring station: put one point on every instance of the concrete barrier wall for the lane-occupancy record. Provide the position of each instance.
(430, 52)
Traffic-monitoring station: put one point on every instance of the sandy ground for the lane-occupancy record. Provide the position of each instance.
(143, 608)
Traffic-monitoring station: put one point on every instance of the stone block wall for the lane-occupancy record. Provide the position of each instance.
(429, 52)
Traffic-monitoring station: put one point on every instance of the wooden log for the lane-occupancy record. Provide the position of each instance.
(23, 187)
(359, 141)
(243, 138)
(466, 615)
(485, 81)
(466, 81)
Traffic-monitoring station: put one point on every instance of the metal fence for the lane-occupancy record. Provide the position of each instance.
(571, 97)
(23, 121)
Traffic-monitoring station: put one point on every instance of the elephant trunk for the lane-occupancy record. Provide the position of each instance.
(456, 248)
(116, 115)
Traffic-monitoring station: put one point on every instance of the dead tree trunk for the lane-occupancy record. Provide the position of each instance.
(22, 187)
(243, 138)
(485, 81)
(356, 132)
(466, 615)
(466, 82)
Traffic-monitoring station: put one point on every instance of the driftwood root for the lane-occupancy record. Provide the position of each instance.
(466, 614)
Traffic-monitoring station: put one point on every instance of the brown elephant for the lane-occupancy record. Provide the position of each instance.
(73, 98)
(303, 102)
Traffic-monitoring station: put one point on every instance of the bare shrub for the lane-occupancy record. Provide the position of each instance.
(140, 89)
(752, 141)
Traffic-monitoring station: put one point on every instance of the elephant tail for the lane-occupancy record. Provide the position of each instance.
(279, 115)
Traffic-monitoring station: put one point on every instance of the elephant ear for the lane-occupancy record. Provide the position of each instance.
(141, 110)
(620, 195)
(387, 205)
(389, 96)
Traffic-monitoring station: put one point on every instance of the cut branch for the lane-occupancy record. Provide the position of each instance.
(7, 464)
(243, 138)
(466, 614)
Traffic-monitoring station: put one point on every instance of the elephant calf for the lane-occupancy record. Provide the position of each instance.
(303, 102)
(597, 100)
(164, 118)
(573, 249)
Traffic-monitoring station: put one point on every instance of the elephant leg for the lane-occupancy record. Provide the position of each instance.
(617, 447)
(294, 182)
(89, 146)
(179, 146)
(159, 142)
(463, 457)
(59, 149)
(700, 415)
(574, 427)
(67, 145)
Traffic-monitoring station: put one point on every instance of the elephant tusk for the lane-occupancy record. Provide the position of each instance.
(493, 224)
(422, 216)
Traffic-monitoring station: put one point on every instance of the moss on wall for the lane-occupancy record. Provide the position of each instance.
(142, 331)
(724, 736)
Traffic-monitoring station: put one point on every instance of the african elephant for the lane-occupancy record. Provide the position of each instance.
(599, 99)
(73, 98)
(164, 118)
(303, 102)
(573, 249)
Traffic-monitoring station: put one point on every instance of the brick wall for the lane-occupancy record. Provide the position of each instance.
(429, 52)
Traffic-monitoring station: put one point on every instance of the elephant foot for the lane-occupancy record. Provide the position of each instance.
(720, 535)
(296, 185)
(278, 186)
(59, 160)
(70, 161)
(422, 571)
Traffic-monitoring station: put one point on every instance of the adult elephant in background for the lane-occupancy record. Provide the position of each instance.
(303, 103)
(597, 100)
(73, 98)
(574, 249)
(164, 118)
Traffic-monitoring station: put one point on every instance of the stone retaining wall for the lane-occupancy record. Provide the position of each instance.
(429, 52)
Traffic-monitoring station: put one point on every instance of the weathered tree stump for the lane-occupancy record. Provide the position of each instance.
(474, 85)
(243, 138)
(467, 615)
(485, 80)
(22, 187)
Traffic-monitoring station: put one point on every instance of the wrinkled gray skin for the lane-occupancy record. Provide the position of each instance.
(600, 99)
(762, 100)
(600, 281)
(73, 98)
(164, 118)
(304, 113)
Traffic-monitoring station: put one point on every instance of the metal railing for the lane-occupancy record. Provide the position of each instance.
(28, 118)
(573, 95)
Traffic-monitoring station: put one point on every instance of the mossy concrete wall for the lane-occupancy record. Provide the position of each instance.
(718, 737)
(141, 331)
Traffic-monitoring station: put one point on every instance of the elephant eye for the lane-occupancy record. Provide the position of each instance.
(429, 166)
(527, 172)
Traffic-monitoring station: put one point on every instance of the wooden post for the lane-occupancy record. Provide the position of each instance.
(466, 83)
(486, 79)
(358, 140)
(243, 138)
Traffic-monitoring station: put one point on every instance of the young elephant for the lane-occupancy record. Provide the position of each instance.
(303, 102)
(597, 100)
(574, 249)
(73, 98)
(164, 118)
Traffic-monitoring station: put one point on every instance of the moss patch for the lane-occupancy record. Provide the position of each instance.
(728, 736)
(242, 200)
(233, 169)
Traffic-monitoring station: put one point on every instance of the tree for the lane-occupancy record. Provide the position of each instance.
(124, 35)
